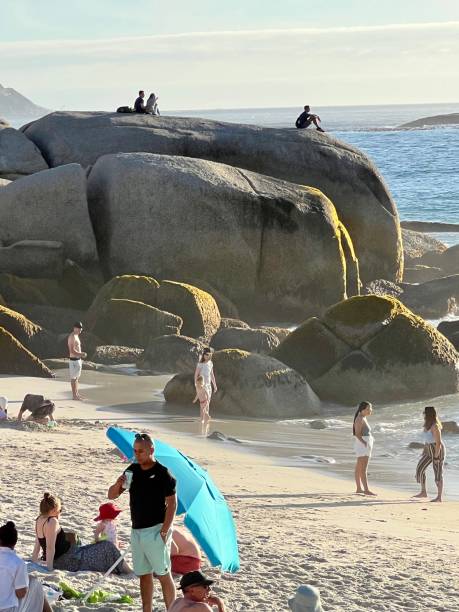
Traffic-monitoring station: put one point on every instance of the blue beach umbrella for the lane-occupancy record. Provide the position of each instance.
(207, 515)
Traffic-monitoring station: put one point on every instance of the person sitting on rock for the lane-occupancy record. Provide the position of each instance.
(139, 104)
(196, 595)
(41, 409)
(306, 118)
(152, 105)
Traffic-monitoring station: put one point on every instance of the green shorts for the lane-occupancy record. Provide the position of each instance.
(149, 553)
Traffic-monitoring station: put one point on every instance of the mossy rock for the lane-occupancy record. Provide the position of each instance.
(372, 347)
(225, 305)
(172, 354)
(17, 360)
(250, 385)
(130, 323)
(229, 322)
(2, 300)
(126, 287)
(281, 333)
(34, 291)
(32, 336)
(246, 339)
(79, 284)
(197, 308)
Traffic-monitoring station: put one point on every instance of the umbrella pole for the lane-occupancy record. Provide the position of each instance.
(107, 573)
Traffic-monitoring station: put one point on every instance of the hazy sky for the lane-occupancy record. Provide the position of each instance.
(96, 54)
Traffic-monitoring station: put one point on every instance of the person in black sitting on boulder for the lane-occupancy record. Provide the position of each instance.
(139, 104)
(306, 118)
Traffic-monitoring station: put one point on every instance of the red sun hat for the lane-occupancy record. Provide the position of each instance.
(108, 511)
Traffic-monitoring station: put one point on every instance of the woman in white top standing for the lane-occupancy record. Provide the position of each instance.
(434, 452)
(363, 446)
(205, 368)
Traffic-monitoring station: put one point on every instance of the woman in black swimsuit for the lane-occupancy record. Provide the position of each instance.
(58, 550)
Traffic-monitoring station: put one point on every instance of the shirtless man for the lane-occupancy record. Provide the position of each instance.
(196, 595)
(185, 553)
(75, 358)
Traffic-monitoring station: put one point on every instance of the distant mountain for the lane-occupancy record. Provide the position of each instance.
(14, 105)
(451, 119)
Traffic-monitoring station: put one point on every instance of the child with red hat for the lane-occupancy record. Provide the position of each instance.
(106, 529)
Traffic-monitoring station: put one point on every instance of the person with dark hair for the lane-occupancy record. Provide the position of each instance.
(153, 504)
(205, 368)
(18, 592)
(433, 453)
(41, 409)
(139, 104)
(363, 446)
(60, 550)
(76, 355)
(151, 107)
(306, 118)
(197, 596)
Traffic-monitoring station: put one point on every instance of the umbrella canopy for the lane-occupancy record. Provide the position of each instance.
(207, 515)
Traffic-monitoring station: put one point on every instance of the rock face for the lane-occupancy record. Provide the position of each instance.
(416, 244)
(58, 320)
(116, 355)
(33, 259)
(450, 329)
(250, 385)
(171, 354)
(246, 339)
(305, 157)
(36, 339)
(49, 205)
(449, 119)
(198, 309)
(17, 360)
(131, 323)
(18, 155)
(265, 243)
(371, 347)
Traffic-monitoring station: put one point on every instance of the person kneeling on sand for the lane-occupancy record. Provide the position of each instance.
(307, 599)
(185, 553)
(41, 409)
(306, 118)
(18, 592)
(196, 595)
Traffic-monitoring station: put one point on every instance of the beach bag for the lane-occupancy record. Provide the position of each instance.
(124, 109)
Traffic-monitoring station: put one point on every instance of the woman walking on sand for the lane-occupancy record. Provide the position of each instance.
(363, 446)
(434, 452)
(205, 369)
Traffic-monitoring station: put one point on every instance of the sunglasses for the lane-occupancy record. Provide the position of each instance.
(143, 436)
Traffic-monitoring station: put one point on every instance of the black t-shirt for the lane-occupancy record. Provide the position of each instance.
(139, 105)
(148, 492)
(303, 120)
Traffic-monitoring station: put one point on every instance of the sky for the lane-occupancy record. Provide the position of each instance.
(96, 54)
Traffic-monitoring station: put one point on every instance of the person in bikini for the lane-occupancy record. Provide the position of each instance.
(76, 355)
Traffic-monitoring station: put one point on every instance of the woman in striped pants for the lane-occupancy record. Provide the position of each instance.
(434, 452)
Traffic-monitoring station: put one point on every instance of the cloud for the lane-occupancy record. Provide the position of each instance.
(272, 67)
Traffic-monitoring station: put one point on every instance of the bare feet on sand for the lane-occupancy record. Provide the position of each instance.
(436, 499)
(78, 398)
(359, 492)
(419, 495)
(368, 492)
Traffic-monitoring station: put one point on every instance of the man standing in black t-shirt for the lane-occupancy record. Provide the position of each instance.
(306, 118)
(139, 104)
(153, 503)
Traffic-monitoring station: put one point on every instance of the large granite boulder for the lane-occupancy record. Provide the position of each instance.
(50, 205)
(271, 246)
(171, 354)
(225, 305)
(130, 323)
(250, 385)
(197, 308)
(36, 339)
(417, 244)
(17, 360)
(129, 287)
(116, 355)
(247, 339)
(341, 172)
(54, 318)
(450, 329)
(33, 259)
(19, 156)
(371, 347)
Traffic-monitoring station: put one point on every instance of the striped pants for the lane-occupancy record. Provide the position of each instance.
(428, 457)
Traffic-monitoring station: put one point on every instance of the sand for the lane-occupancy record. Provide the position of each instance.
(295, 525)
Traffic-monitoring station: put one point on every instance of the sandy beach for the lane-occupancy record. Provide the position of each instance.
(295, 525)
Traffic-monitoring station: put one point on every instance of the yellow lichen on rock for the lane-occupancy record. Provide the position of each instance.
(17, 360)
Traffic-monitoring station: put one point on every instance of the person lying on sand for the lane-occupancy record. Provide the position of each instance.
(17, 590)
(185, 553)
(41, 409)
(306, 118)
(196, 595)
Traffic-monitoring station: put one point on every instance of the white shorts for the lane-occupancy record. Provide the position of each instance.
(75, 369)
(360, 449)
